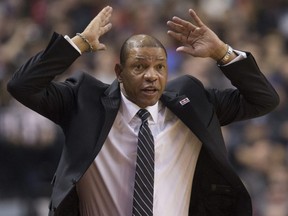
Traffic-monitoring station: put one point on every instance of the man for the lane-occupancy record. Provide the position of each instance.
(96, 172)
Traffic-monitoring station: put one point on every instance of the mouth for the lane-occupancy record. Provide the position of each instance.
(150, 90)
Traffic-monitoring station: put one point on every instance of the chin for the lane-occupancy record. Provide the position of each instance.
(151, 103)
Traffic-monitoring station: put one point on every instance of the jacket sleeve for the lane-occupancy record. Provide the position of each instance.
(32, 84)
(254, 96)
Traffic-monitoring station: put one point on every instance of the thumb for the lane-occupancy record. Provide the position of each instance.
(101, 46)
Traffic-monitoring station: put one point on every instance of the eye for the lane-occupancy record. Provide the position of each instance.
(160, 67)
(138, 67)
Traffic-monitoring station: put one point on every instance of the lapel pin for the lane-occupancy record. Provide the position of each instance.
(184, 101)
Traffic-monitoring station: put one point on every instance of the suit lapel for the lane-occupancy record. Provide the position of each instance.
(212, 141)
(111, 103)
(182, 107)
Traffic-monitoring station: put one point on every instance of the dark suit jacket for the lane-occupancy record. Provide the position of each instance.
(85, 108)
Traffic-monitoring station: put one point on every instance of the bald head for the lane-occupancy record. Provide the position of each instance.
(138, 41)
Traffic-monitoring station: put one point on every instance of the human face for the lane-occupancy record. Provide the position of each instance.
(143, 77)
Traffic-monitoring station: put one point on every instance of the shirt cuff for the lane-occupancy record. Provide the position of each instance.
(240, 56)
(72, 43)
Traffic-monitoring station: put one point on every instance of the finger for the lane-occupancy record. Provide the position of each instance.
(187, 25)
(106, 11)
(186, 50)
(183, 49)
(195, 17)
(105, 29)
(178, 36)
(105, 19)
(101, 47)
(176, 27)
(105, 15)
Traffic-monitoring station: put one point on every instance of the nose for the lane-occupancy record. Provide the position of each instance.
(150, 75)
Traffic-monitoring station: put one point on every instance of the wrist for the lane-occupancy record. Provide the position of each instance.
(227, 57)
(82, 43)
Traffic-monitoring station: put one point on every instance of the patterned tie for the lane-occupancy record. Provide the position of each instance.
(144, 177)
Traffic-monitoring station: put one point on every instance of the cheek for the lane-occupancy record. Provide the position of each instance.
(132, 88)
(163, 81)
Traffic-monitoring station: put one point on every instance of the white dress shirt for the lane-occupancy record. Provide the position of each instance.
(107, 186)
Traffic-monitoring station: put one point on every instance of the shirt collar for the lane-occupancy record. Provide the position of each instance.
(129, 109)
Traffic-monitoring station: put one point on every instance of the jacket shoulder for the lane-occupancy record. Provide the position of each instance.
(83, 78)
(181, 83)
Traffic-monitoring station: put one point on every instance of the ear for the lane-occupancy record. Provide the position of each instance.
(118, 71)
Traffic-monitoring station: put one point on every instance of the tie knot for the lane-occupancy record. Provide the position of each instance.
(143, 114)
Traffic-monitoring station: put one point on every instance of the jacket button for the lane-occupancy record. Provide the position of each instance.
(74, 181)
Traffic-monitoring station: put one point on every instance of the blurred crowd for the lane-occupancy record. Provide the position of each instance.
(30, 145)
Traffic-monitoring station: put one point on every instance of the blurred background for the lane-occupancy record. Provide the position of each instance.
(30, 145)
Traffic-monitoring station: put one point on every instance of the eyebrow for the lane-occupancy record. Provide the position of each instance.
(145, 58)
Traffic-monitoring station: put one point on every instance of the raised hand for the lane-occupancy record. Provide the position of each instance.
(198, 40)
(96, 28)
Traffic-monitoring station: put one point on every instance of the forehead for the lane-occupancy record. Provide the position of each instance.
(146, 53)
